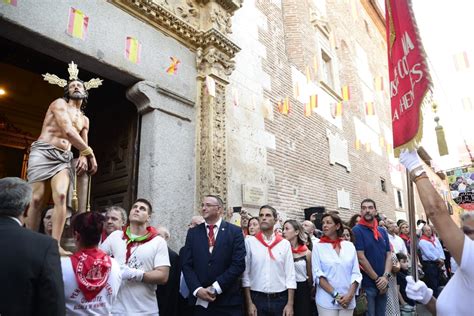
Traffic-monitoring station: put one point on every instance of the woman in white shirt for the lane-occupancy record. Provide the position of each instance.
(91, 278)
(335, 270)
(294, 232)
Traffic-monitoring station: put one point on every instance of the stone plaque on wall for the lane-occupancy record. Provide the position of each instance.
(253, 195)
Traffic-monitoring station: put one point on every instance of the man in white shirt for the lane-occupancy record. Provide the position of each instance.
(143, 257)
(432, 258)
(269, 278)
(396, 241)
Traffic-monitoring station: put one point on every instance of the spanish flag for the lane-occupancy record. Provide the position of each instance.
(345, 93)
(77, 24)
(307, 109)
(308, 74)
(313, 101)
(369, 109)
(315, 66)
(11, 2)
(284, 106)
(461, 62)
(337, 109)
(133, 50)
(173, 68)
(378, 83)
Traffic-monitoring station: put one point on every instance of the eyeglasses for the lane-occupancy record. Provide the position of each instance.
(370, 207)
(208, 205)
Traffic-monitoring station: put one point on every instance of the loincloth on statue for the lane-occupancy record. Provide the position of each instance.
(46, 160)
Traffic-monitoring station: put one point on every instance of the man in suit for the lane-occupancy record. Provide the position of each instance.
(213, 260)
(30, 270)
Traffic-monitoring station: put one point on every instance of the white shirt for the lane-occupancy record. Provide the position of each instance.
(456, 297)
(398, 244)
(430, 252)
(339, 270)
(102, 304)
(137, 298)
(264, 274)
(216, 231)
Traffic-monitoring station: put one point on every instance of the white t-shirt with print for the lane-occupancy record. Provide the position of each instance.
(456, 297)
(102, 304)
(137, 298)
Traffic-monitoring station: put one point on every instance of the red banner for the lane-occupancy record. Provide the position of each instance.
(409, 75)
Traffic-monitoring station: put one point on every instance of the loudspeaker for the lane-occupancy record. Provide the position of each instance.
(319, 210)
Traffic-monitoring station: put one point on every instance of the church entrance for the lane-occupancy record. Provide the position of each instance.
(24, 99)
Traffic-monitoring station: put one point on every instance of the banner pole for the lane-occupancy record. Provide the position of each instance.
(412, 225)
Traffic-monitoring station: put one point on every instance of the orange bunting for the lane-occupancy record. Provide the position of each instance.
(345, 92)
(313, 101)
(369, 109)
(378, 83)
(173, 68)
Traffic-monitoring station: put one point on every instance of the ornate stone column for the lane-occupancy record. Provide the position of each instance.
(214, 59)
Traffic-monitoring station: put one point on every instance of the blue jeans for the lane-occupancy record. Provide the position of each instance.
(376, 303)
(269, 305)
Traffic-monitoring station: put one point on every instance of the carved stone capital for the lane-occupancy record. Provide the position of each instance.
(215, 57)
(139, 94)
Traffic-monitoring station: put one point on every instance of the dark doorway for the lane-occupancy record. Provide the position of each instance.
(113, 120)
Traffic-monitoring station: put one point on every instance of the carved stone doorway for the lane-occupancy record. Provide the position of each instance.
(113, 121)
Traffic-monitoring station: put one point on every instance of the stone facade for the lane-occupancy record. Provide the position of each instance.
(291, 157)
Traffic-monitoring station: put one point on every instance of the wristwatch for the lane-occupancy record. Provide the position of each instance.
(387, 275)
(415, 173)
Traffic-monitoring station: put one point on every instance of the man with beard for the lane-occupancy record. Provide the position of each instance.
(49, 165)
(373, 251)
(269, 280)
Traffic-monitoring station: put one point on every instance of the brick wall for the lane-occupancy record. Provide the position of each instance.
(301, 175)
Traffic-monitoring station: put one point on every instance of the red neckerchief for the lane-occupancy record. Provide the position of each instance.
(91, 267)
(299, 249)
(374, 226)
(430, 239)
(336, 243)
(152, 233)
(404, 237)
(278, 238)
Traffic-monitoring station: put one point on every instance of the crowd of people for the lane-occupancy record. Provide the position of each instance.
(122, 264)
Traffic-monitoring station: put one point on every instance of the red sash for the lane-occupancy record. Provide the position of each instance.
(431, 239)
(404, 237)
(92, 268)
(373, 226)
(152, 233)
(336, 243)
(299, 249)
(278, 238)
